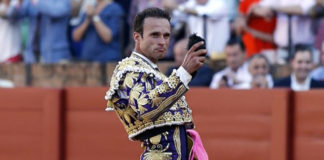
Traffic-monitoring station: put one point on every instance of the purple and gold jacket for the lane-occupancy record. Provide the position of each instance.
(145, 98)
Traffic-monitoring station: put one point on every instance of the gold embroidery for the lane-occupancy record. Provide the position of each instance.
(129, 80)
(157, 155)
(168, 116)
(177, 116)
(155, 98)
(126, 114)
(156, 139)
(165, 103)
(157, 152)
(156, 101)
(177, 143)
(125, 63)
(127, 72)
(162, 89)
(136, 91)
(173, 81)
(142, 101)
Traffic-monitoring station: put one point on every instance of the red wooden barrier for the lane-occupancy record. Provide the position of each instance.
(245, 125)
(309, 125)
(70, 124)
(30, 124)
(92, 133)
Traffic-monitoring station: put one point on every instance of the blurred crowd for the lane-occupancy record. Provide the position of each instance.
(251, 35)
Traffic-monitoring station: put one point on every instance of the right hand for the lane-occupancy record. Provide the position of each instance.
(194, 59)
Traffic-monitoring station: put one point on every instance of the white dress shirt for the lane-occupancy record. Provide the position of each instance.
(300, 86)
(242, 75)
(247, 85)
(218, 28)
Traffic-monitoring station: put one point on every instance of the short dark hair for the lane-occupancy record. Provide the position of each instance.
(259, 55)
(149, 12)
(302, 48)
(234, 40)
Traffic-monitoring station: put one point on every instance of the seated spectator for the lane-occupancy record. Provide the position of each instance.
(318, 73)
(48, 24)
(259, 68)
(301, 65)
(10, 37)
(258, 31)
(203, 75)
(100, 29)
(236, 73)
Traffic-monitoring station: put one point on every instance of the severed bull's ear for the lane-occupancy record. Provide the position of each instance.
(193, 39)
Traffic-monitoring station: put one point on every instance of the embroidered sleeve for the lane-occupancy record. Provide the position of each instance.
(150, 98)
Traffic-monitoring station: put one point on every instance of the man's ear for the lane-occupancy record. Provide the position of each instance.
(136, 37)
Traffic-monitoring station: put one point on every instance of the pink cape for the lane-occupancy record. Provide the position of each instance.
(198, 149)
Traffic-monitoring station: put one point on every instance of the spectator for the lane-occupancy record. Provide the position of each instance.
(217, 24)
(301, 65)
(318, 73)
(257, 31)
(10, 36)
(76, 15)
(232, 6)
(48, 24)
(100, 31)
(259, 68)
(300, 23)
(317, 13)
(203, 75)
(236, 73)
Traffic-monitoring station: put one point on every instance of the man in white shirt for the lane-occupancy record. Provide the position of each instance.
(259, 68)
(217, 24)
(236, 74)
(301, 65)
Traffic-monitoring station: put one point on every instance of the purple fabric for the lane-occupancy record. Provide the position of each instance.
(198, 149)
(167, 148)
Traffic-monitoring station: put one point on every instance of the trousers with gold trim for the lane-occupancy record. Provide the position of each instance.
(170, 144)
